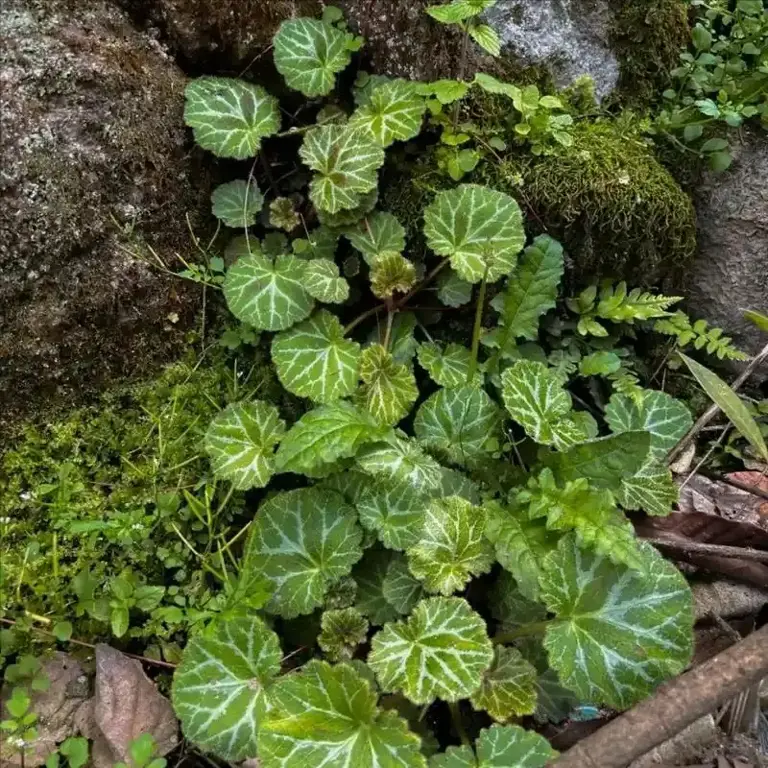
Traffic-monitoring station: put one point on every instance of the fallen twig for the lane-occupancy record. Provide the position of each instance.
(674, 544)
(673, 707)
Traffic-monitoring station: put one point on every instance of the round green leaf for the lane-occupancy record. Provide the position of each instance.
(219, 688)
(380, 232)
(452, 290)
(395, 511)
(461, 425)
(346, 161)
(389, 388)
(266, 294)
(397, 460)
(241, 442)
(309, 53)
(326, 715)
(509, 686)
(447, 367)
(480, 229)
(303, 541)
(618, 633)
(452, 547)
(393, 112)
(230, 117)
(237, 203)
(441, 651)
(322, 282)
(314, 359)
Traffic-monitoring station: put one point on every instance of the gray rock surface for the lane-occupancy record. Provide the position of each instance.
(730, 273)
(93, 147)
(570, 36)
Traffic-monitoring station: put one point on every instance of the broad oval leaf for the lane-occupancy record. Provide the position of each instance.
(447, 367)
(479, 228)
(378, 233)
(309, 53)
(398, 459)
(452, 547)
(219, 688)
(303, 541)
(509, 686)
(314, 359)
(441, 651)
(323, 436)
(461, 425)
(395, 511)
(323, 282)
(393, 112)
(400, 588)
(500, 746)
(326, 715)
(230, 117)
(665, 418)
(536, 398)
(346, 161)
(237, 203)
(389, 388)
(618, 634)
(266, 294)
(241, 442)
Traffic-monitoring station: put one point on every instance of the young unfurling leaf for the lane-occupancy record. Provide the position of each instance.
(391, 273)
(342, 631)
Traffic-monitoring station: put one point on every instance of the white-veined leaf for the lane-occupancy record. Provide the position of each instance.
(391, 273)
(370, 575)
(441, 651)
(303, 541)
(350, 484)
(323, 282)
(398, 459)
(283, 215)
(452, 546)
(393, 112)
(346, 161)
(500, 746)
(480, 229)
(237, 203)
(326, 716)
(267, 294)
(510, 607)
(664, 417)
(452, 290)
(487, 38)
(378, 233)
(461, 425)
(320, 243)
(309, 53)
(338, 221)
(219, 688)
(342, 630)
(536, 398)
(241, 442)
(400, 588)
(314, 359)
(652, 489)
(389, 388)
(447, 367)
(230, 117)
(323, 436)
(509, 686)
(395, 511)
(454, 483)
(618, 634)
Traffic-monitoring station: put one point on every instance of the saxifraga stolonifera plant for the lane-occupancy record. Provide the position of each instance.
(408, 496)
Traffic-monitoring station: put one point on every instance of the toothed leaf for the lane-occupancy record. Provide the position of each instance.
(447, 367)
(237, 203)
(391, 273)
(395, 511)
(400, 588)
(393, 112)
(378, 233)
(652, 489)
(370, 574)
(399, 460)
(342, 631)
(509, 686)
(452, 290)
(323, 282)
(389, 388)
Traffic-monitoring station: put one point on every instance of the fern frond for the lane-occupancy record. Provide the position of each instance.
(618, 306)
(700, 334)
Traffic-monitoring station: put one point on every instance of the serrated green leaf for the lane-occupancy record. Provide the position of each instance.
(389, 388)
(219, 688)
(452, 290)
(479, 229)
(326, 715)
(351, 484)
(402, 343)
(303, 541)
(491, 84)
(458, 10)
(509, 686)
(730, 404)
(380, 232)
(230, 117)
(237, 203)
(395, 511)
(500, 746)
(400, 588)
(241, 442)
(441, 651)
(618, 634)
(521, 545)
(342, 631)
(604, 462)
(532, 290)
(662, 416)
(461, 425)
(370, 574)
(346, 161)
(487, 38)
(341, 219)
(324, 435)
(321, 243)
(445, 91)
(309, 53)
(266, 294)
(393, 112)
(599, 364)
(452, 546)
(314, 359)
(536, 398)
(397, 460)
(323, 282)
(282, 214)
(454, 483)
(391, 273)
(449, 367)
(652, 489)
